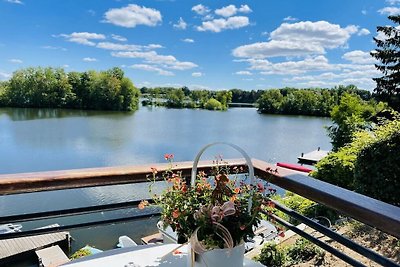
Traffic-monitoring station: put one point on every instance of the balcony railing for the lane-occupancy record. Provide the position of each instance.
(375, 213)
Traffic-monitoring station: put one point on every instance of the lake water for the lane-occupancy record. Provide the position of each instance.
(49, 139)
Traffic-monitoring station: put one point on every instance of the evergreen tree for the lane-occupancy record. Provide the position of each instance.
(388, 53)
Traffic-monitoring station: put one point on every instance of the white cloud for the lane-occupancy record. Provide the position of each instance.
(166, 61)
(4, 75)
(275, 48)
(298, 39)
(197, 74)
(393, 2)
(364, 12)
(290, 18)
(126, 47)
(14, 1)
(359, 57)
(54, 47)
(318, 63)
(231, 10)
(65, 66)
(119, 38)
(180, 25)
(363, 31)
(245, 9)
(117, 46)
(390, 10)
(133, 15)
(243, 72)
(188, 40)
(89, 59)
(218, 25)
(84, 38)
(151, 68)
(200, 9)
(15, 61)
(321, 32)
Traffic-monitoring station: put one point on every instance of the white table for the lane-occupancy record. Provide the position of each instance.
(140, 256)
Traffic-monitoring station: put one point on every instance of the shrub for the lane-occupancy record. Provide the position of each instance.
(303, 251)
(377, 168)
(272, 255)
(213, 104)
(303, 206)
(370, 164)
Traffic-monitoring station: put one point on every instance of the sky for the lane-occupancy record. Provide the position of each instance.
(211, 44)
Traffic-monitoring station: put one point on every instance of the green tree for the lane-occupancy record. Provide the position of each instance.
(349, 116)
(224, 97)
(388, 53)
(175, 98)
(270, 101)
(213, 104)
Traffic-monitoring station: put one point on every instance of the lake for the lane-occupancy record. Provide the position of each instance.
(51, 139)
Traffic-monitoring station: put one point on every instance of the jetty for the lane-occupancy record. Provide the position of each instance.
(312, 157)
(26, 246)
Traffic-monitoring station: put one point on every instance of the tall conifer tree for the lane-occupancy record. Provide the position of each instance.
(388, 53)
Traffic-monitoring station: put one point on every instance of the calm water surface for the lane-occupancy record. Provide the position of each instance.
(48, 139)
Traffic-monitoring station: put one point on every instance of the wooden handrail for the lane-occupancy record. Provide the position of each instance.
(376, 213)
(20, 183)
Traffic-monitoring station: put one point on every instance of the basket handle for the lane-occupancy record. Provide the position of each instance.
(237, 148)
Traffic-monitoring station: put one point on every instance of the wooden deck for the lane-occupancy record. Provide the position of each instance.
(313, 156)
(51, 257)
(13, 247)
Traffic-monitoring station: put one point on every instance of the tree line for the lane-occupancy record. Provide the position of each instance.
(54, 88)
(185, 98)
(313, 102)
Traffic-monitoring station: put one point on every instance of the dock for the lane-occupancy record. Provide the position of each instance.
(312, 157)
(51, 257)
(26, 246)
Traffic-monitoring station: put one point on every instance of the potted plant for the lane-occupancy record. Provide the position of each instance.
(215, 213)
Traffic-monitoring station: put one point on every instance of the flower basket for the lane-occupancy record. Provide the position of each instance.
(215, 214)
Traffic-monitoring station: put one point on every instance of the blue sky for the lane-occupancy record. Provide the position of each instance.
(200, 44)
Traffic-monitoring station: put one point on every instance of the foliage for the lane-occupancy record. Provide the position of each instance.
(213, 104)
(303, 206)
(215, 210)
(351, 115)
(53, 88)
(381, 181)
(302, 251)
(175, 98)
(185, 98)
(83, 252)
(368, 165)
(314, 102)
(241, 96)
(388, 53)
(272, 255)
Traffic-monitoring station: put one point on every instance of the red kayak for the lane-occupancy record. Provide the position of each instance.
(293, 167)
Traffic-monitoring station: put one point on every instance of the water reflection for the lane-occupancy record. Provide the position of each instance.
(25, 114)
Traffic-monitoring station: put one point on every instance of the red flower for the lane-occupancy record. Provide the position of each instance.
(169, 156)
(175, 214)
(143, 204)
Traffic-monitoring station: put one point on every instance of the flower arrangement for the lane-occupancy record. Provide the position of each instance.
(215, 211)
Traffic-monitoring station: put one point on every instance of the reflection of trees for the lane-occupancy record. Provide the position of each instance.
(76, 131)
(24, 114)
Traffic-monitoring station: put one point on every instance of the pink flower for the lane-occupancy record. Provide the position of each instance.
(169, 156)
(228, 208)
